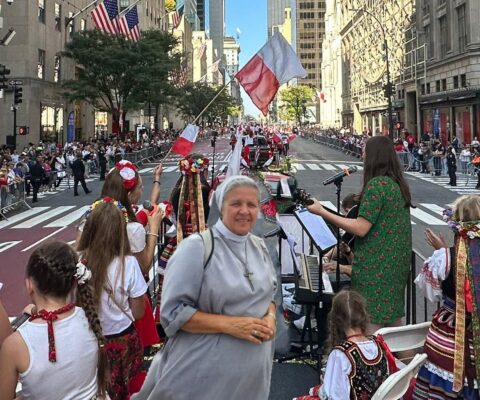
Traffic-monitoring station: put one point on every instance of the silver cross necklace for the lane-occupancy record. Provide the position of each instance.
(247, 273)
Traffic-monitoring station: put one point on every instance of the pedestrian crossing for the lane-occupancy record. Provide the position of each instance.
(307, 166)
(64, 216)
(465, 184)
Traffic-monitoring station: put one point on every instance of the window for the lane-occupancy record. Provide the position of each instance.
(41, 11)
(428, 88)
(56, 69)
(123, 4)
(426, 7)
(41, 64)
(463, 80)
(462, 28)
(455, 82)
(58, 17)
(444, 36)
(437, 86)
(441, 2)
(444, 85)
(83, 24)
(429, 41)
(423, 88)
(146, 8)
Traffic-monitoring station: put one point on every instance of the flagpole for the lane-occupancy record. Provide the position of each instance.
(199, 115)
(69, 19)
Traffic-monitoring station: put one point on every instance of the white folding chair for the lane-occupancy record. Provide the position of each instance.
(403, 338)
(397, 384)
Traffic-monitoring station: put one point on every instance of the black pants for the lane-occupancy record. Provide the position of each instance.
(103, 170)
(82, 182)
(453, 176)
(36, 187)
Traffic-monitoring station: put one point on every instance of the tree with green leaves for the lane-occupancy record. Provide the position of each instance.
(295, 100)
(196, 96)
(117, 75)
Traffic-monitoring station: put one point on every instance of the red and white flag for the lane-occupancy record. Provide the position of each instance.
(275, 64)
(293, 136)
(130, 25)
(184, 144)
(277, 138)
(105, 16)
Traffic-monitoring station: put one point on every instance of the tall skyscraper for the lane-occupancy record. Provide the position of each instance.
(217, 23)
(201, 13)
(275, 14)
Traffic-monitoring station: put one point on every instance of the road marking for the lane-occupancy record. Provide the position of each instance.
(425, 217)
(342, 166)
(6, 245)
(313, 167)
(433, 207)
(43, 239)
(142, 171)
(329, 205)
(328, 167)
(43, 217)
(299, 167)
(171, 169)
(23, 215)
(68, 219)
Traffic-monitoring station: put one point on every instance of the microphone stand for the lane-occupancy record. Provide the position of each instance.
(338, 185)
(213, 144)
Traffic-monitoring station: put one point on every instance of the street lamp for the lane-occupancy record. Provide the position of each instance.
(389, 86)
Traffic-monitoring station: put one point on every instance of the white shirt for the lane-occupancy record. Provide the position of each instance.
(115, 313)
(74, 375)
(59, 163)
(336, 384)
(136, 236)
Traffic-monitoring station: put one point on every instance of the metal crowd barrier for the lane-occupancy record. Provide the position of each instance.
(338, 144)
(417, 306)
(147, 154)
(12, 197)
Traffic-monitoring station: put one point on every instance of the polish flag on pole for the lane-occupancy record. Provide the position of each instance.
(277, 138)
(275, 64)
(184, 144)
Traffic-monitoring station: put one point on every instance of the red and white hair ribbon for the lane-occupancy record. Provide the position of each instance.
(127, 172)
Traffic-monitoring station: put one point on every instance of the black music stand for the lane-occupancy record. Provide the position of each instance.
(322, 238)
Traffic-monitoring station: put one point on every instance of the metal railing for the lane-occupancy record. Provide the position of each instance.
(12, 197)
(147, 154)
(338, 144)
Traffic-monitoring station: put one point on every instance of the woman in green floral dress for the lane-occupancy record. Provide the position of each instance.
(384, 236)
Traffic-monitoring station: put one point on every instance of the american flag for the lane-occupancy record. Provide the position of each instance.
(105, 16)
(129, 25)
(179, 77)
(177, 17)
(201, 51)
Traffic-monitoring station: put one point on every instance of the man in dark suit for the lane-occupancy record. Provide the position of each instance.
(78, 171)
(37, 176)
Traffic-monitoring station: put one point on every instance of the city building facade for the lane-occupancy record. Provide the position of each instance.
(217, 25)
(448, 93)
(368, 30)
(231, 51)
(34, 58)
(310, 32)
(276, 14)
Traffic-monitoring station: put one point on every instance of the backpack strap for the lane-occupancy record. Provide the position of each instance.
(209, 245)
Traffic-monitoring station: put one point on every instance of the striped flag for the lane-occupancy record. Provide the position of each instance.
(129, 24)
(179, 78)
(105, 16)
(177, 17)
(215, 66)
(201, 51)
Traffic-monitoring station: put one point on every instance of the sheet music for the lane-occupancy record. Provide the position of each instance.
(297, 239)
(317, 229)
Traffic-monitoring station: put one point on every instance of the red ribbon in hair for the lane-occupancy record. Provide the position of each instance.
(127, 172)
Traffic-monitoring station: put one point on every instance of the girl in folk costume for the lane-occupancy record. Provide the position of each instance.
(124, 183)
(118, 287)
(453, 340)
(358, 363)
(189, 199)
(59, 353)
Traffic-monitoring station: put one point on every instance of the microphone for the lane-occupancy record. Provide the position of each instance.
(272, 233)
(147, 205)
(340, 175)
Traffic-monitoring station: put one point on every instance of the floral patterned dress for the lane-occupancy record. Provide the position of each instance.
(382, 257)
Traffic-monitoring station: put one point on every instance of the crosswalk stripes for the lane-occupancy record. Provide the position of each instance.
(313, 167)
(328, 167)
(63, 216)
(465, 185)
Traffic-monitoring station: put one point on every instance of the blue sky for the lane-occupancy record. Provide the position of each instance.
(250, 16)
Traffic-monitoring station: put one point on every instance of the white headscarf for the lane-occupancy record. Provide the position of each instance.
(228, 184)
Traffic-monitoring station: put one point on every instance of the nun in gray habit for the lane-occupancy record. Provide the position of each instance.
(219, 318)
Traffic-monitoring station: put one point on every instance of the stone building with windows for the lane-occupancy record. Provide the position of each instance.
(310, 32)
(33, 56)
(449, 93)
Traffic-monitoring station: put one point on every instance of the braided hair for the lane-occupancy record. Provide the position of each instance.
(52, 266)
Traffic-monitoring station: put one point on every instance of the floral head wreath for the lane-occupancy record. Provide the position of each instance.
(127, 172)
(82, 273)
(107, 200)
(467, 229)
(191, 166)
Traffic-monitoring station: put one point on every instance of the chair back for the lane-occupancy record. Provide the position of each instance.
(402, 338)
(397, 384)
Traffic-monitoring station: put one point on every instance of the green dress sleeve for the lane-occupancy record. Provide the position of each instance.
(373, 199)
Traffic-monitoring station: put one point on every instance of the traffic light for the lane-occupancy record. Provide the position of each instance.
(17, 95)
(4, 71)
(23, 130)
(388, 89)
